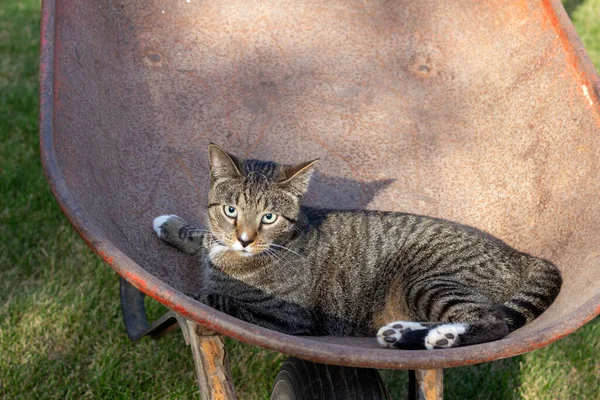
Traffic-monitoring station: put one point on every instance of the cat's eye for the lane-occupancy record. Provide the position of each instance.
(269, 218)
(230, 211)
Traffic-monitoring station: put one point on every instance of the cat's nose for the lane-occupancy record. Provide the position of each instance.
(245, 243)
(245, 239)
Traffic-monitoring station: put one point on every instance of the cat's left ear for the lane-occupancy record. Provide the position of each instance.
(297, 177)
(222, 164)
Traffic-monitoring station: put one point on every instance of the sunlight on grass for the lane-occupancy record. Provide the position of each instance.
(586, 18)
(568, 369)
(65, 338)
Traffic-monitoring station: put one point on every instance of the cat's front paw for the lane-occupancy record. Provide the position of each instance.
(159, 223)
(392, 333)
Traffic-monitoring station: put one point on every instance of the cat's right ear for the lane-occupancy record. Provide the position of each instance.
(222, 164)
(298, 177)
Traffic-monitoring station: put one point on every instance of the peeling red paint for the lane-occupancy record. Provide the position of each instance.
(107, 259)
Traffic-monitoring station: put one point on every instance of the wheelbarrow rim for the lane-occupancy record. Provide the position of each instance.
(303, 347)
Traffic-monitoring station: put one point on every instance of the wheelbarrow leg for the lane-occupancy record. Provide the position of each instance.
(425, 384)
(210, 360)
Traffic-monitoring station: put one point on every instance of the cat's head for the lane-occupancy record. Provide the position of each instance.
(253, 205)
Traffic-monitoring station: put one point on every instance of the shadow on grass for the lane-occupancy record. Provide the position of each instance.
(499, 379)
(571, 5)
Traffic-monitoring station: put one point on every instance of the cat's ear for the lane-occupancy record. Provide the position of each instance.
(297, 177)
(222, 164)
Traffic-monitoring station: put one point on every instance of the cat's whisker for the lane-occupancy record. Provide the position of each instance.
(215, 238)
(285, 248)
(268, 252)
(281, 257)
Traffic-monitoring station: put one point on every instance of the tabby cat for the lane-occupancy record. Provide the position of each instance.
(269, 260)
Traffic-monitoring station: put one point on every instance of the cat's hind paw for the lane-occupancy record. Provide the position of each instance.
(444, 336)
(391, 334)
(158, 223)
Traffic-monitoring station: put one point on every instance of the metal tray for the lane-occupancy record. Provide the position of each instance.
(480, 112)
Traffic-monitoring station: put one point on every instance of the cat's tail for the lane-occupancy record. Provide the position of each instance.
(540, 288)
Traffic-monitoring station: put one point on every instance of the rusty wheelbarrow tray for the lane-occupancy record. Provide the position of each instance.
(484, 113)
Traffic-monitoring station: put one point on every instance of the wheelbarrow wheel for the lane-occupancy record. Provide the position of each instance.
(303, 380)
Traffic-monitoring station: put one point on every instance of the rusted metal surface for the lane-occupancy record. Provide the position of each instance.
(480, 112)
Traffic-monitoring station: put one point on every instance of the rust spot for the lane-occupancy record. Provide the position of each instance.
(107, 259)
(153, 59)
(424, 69)
(422, 66)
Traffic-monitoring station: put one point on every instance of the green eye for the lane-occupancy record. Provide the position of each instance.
(269, 218)
(230, 211)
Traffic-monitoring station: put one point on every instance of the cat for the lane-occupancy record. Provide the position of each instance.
(271, 261)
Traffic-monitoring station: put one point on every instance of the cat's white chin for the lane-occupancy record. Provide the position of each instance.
(241, 250)
(216, 250)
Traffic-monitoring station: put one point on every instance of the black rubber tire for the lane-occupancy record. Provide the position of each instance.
(303, 380)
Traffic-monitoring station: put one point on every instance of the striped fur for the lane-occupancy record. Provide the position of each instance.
(359, 272)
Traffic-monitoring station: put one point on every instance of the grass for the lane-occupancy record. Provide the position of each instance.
(61, 334)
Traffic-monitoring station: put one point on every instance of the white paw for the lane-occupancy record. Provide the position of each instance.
(160, 221)
(444, 336)
(392, 332)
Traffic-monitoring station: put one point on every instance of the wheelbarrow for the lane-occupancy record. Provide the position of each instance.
(484, 113)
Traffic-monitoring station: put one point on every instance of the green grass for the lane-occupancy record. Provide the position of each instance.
(61, 334)
(586, 18)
